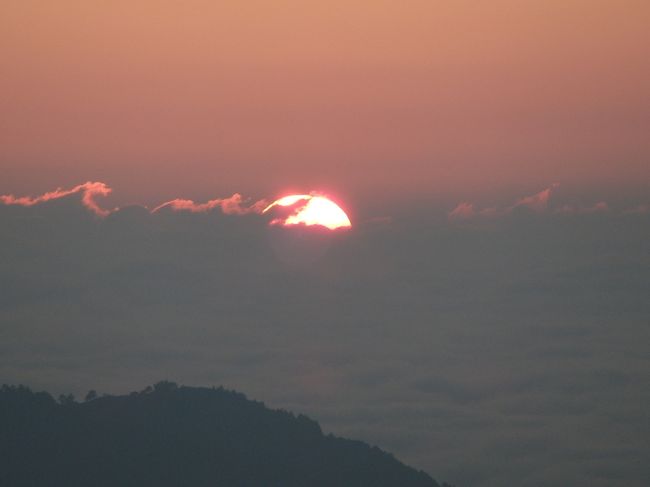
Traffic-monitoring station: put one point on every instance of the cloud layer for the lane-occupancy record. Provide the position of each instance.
(513, 353)
(89, 191)
(540, 203)
(235, 205)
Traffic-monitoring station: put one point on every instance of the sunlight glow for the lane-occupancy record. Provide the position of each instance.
(316, 210)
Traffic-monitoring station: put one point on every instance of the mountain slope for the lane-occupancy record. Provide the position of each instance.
(179, 436)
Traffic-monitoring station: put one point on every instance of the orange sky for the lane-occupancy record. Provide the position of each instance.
(196, 98)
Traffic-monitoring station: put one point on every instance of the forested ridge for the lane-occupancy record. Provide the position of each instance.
(168, 435)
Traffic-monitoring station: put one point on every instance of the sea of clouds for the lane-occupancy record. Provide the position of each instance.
(494, 346)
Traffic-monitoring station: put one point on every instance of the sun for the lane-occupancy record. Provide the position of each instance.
(310, 209)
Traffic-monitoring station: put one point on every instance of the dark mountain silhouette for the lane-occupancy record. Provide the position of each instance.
(179, 436)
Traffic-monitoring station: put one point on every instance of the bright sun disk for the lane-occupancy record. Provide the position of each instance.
(316, 210)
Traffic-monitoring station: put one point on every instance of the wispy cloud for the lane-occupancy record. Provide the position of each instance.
(89, 191)
(463, 211)
(542, 202)
(234, 205)
(537, 202)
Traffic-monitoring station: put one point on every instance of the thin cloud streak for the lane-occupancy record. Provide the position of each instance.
(540, 203)
(234, 205)
(537, 202)
(89, 190)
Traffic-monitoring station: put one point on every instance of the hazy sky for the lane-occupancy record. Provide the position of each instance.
(487, 316)
(188, 98)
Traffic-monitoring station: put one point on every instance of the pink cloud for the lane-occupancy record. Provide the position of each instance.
(463, 211)
(235, 205)
(89, 191)
(188, 205)
(539, 201)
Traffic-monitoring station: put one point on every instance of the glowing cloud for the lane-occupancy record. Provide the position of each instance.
(462, 211)
(234, 205)
(288, 200)
(311, 210)
(538, 203)
(89, 191)
(230, 206)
